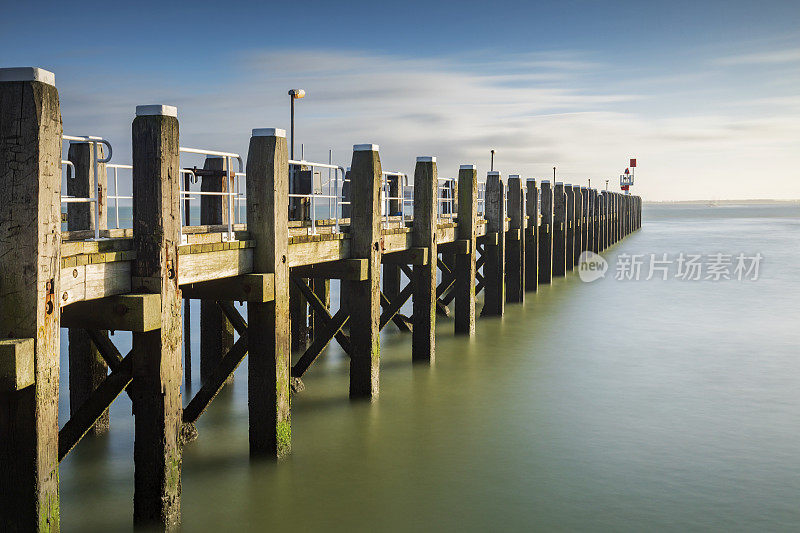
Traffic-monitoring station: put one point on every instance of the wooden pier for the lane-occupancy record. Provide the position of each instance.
(135, 279)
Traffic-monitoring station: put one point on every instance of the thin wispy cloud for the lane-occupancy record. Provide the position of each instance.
(536, 113)
(775, 57)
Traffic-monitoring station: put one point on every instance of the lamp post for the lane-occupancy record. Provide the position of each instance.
(491, 163)
(294, 94)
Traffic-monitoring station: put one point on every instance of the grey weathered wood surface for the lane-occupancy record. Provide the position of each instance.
(268, 387)
(465, 263)
(559, 231)
(30, 234)
(494, 267)
(364, 296)
(426, 186)
(156, 393)
(515, 241)
(532, 237)
(546, 234)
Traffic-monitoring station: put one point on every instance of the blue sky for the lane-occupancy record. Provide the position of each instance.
(705, 94)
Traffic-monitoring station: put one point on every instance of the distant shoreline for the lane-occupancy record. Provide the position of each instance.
(721, 202)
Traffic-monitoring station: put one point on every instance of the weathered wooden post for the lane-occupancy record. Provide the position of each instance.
(87, 369)
(30, 257)
(546, 234)
(465, 263)
(577, 218)
(494, 247)
(423, 235)
(515, 242)
(216, 331)
(596, 208)
(391, 271)
(269, 349)
(156, 387)
(569, 225)
(532, 237)
(559, 231)
(585, 221)
(364, 296)
(590, 203)
(602, 200)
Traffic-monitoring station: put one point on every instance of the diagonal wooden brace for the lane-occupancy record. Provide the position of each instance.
(209, 391)
(333, 327)
(322, 311)
(235, 318)
(393, 307)
(87, 414)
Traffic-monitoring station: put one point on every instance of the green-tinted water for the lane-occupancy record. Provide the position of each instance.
(612, 405)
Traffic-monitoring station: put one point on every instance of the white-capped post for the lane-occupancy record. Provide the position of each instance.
(30, 260)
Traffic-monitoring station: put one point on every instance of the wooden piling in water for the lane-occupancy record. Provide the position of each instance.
(546, 233)
(87, 369)
(364, 296)
(30, 237)
(423, 235)
(515, 241)
(559, 231)
(532, 237)
(216, 331)
(269, 345)
(577, 218)
(465, 263)
(569, 226)
(494, 250)
(156, 394)
(585, 221)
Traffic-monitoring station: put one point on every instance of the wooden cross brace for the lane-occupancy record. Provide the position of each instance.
(101, 398)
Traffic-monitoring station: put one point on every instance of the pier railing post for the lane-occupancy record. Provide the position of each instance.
(559, 231)
(423, 235)
(364, 296)
(216, 331)
(465, 263)
(532, 237)
(546, 234)
(269, 345)
(87, 368)
(515, 242)
(494, 267)
(30, 256)
(156, 393)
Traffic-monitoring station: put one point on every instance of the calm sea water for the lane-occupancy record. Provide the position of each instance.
(616, 405)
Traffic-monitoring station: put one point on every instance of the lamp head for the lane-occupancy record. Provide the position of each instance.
(297, 93)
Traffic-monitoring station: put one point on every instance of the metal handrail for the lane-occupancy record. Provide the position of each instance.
(230, 175)
(385, 193)
(117, 197)
(94, 141)
(442, 200)
(334, 196)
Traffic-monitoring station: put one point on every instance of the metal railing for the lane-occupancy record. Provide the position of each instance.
(117, 197)
(446, 204)
(334, 186)
(92, 198)
(387, 198)
(232, 185)
(482, 199)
